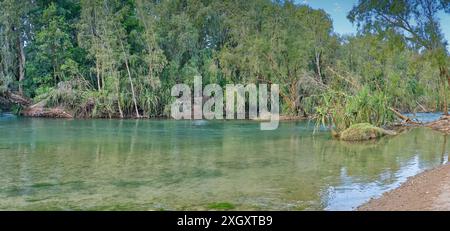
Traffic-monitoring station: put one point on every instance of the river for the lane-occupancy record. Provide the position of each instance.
(51, 164)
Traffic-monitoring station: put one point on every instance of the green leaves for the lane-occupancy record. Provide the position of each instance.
(51, 57)
(131, 52)
(339, 110)
(415, 19)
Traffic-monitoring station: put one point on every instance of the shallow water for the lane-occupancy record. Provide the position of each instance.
(51, 164)
(424, 117)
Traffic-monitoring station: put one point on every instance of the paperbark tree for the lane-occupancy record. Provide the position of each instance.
(15, 23)
(416, 20)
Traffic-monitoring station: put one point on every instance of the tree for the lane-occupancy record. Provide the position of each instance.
(124, 56)
(97, 35)
(91, 36)
(151, 56)
(53, 46)
(281, 43)
(417, 20)
(14, 30)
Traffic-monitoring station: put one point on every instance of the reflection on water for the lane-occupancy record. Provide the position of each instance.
(425, 117)
(181, 165)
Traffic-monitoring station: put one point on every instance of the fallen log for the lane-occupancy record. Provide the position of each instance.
(442, 125)
(40, 110)
(422, 107)
(403, 117)
(9, 98)
(19, 99)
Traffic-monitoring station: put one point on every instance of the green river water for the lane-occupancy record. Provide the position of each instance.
(50, 164)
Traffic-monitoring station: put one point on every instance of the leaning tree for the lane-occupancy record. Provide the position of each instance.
(416, 20)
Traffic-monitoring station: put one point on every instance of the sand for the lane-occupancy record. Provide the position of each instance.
(428, 191)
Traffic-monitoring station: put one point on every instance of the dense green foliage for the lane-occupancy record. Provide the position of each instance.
(120, 58)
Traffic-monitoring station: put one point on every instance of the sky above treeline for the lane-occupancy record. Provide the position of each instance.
(338, 10)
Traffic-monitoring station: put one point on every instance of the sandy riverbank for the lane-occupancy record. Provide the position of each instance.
(428, 191)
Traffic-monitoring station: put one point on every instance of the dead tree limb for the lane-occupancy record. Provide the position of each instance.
(405, 119)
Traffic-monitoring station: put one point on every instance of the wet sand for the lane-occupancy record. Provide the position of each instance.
(428, 191)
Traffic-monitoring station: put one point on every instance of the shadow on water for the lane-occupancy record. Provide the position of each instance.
(177, 165)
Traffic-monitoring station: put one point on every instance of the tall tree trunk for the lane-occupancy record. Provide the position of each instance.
(118, 100)
(131, 80)
(132, 89)
(128, 71)
(97, 69)
(54, 64)
(21, 57)
(319, 71)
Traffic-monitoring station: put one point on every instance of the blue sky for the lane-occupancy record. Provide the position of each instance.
(338, 10)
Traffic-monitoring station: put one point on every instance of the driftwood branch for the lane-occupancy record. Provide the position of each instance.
(9, 98)
(405, 119)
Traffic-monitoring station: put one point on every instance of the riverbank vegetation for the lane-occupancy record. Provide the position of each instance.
(111, 58)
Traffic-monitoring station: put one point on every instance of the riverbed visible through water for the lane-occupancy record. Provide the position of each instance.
(51, 164)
